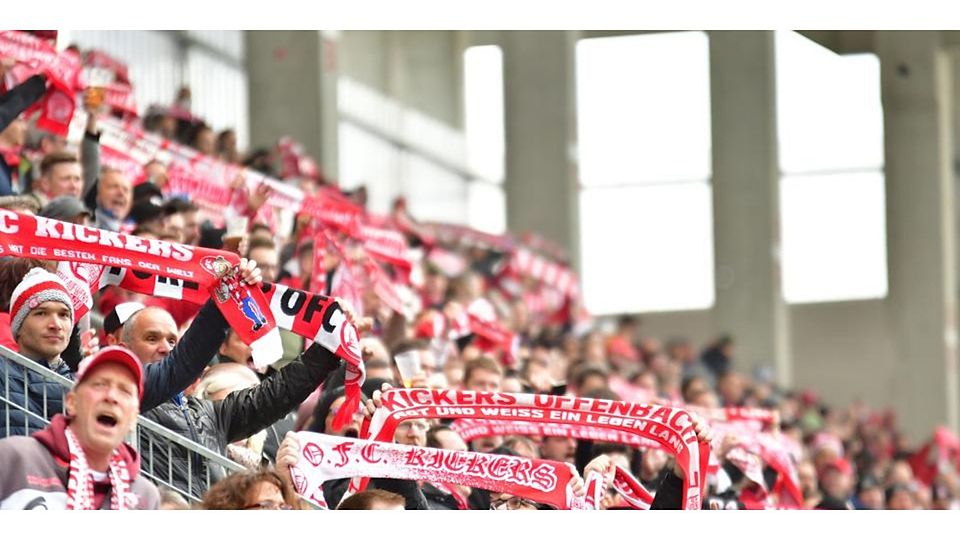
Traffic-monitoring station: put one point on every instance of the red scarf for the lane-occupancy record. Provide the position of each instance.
(471, 428)
(326, 457)
(594, 493)
(631, 489)
(24, 235)
(670, 427)
(62, 70)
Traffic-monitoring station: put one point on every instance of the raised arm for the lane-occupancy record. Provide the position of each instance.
(248, 411)
(170, 376)
(164, 379)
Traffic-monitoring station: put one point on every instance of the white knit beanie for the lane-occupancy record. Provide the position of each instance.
(37, 287)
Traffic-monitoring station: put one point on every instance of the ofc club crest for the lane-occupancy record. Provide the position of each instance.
(231, 287)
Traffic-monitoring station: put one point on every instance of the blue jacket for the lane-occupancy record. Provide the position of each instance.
(161, 380)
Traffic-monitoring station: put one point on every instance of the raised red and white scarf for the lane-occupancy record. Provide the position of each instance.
(24, 235)
(80, 495)
(594, 485)
(631, 489)
(62, 70)
(672, 428)
(326, 457)
(475, 428)
(316, 317)
(187, 273)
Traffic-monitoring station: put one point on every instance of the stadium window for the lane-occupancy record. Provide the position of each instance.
(643, 120)
(371, 161)
(832, 204)
(484, 134)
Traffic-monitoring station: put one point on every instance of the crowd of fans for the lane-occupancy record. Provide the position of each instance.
(183, 367)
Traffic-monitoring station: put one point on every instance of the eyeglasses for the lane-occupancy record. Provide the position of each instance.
(268, 505)
(513, 503)
(422, 426)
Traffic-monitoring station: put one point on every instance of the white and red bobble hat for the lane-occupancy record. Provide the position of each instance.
(37, 287)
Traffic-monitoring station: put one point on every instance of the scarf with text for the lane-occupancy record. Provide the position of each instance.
(326, 457)
(475, 428)
(672, 428)
(24, 235)
(628, 486)
(80, 495)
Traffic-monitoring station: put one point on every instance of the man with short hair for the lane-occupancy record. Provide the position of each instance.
(264, 251)
(412, 432)
(114, 199)
(80, 461)
(483, 374)
(60, 174)
(446, 496)
(12, 138)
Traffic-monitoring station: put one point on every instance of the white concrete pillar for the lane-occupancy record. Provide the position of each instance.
(542, 185)
(921, 236)
(746, 207)
(293, 91)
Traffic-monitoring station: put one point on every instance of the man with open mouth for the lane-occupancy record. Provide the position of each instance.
(80, 462)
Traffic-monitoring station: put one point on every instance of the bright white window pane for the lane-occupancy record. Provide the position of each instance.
(647, 248)
(370, 161)
(829, 113)
(834, 237)
(483, 110)
(488, 207)
(643, 104)
(433, 193)
(219, 93)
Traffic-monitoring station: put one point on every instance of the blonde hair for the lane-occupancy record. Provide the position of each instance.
(226, 376)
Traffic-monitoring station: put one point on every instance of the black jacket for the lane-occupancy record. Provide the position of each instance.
(215, 424)
(669, 495)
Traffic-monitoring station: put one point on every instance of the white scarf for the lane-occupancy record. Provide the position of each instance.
(80, 483)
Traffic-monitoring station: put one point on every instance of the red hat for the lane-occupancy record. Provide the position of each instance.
(840, 464)
(115, 354)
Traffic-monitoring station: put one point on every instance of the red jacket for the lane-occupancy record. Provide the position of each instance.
(36, 470)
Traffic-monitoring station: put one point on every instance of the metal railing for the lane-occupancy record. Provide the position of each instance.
(166, 458)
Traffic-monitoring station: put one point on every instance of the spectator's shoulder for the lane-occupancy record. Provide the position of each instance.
(18, 445)
(147, 493)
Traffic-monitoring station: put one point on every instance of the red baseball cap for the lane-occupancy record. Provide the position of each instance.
(117, 355)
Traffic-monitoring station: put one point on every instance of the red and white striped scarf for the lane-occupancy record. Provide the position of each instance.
(80, 494)
(326, 457)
